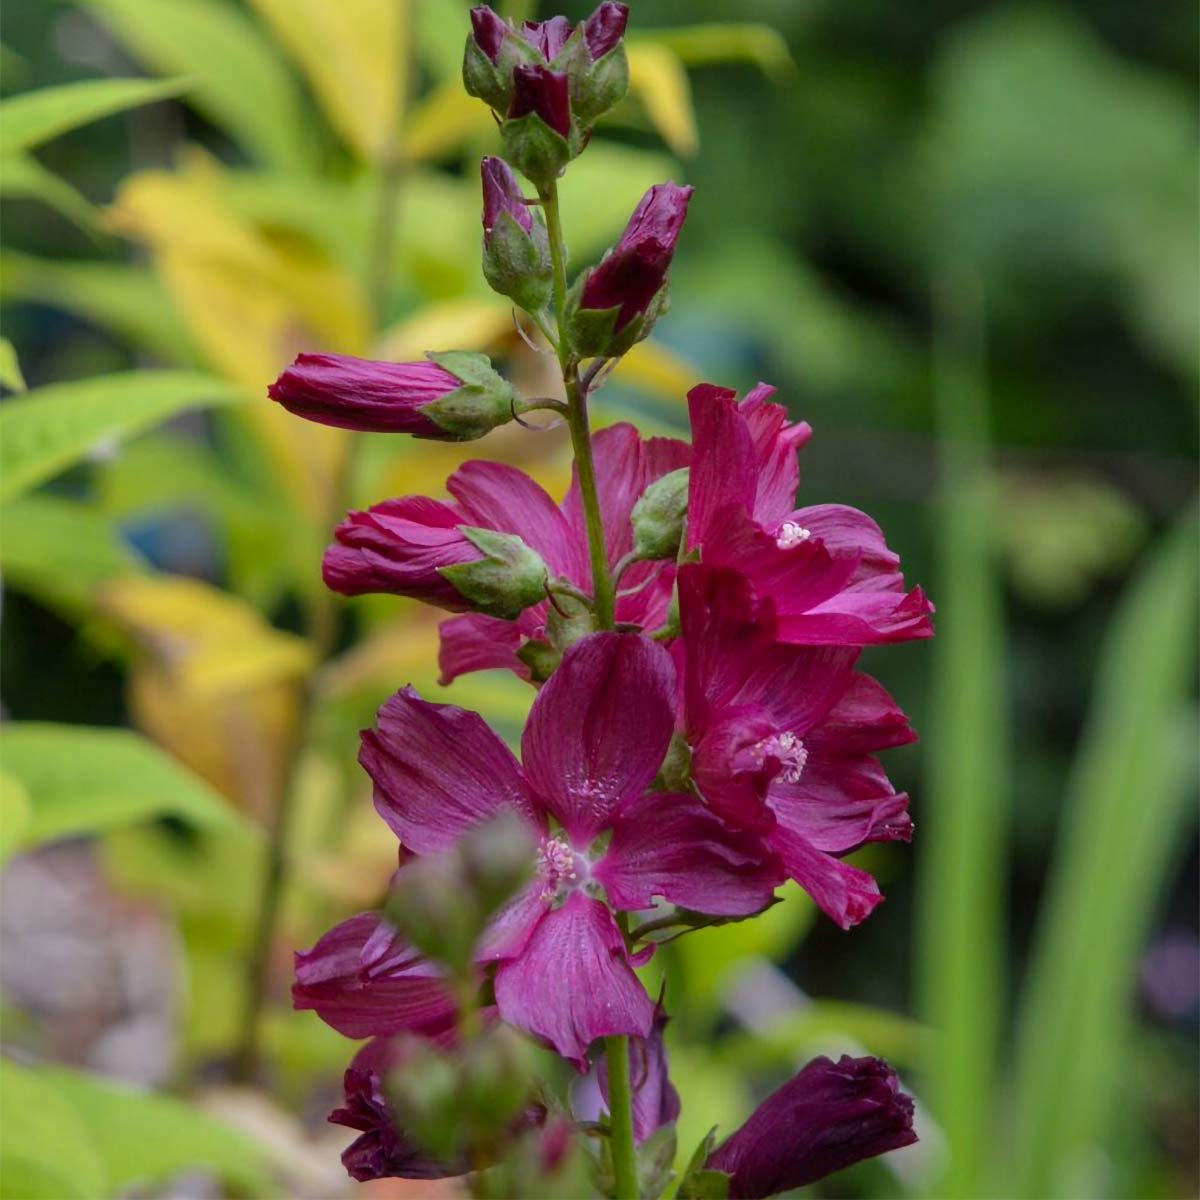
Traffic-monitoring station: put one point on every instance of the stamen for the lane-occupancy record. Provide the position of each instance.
(788, 749)
(791, 534)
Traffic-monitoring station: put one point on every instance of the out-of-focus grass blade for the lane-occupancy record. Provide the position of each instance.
(962, 814)
(1125, 812)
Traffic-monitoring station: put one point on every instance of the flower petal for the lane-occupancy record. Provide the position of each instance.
(599, 729)
(475, 642)
(620, 480)
(842, 892)
(860, 618)
(670, 845)
(371, 994)
(438, 771)
(777, 442)
(724, 464)
(573, 983)
(864, 720)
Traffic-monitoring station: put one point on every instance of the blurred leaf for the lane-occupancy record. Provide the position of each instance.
(1126, 816)
(14, 817)
(462, 324)
(961, 869)
(82, 780)
(237, 77)
(22, 177)
(31, 118)
(355, 54)
(145, 1137)
(48, 429)
(47, 1151)
(658, 79)
(445, 121)
(10, 367)
(441, 29)
(704, 45)
(652, 368)
(123, 298)
(60, 550)
(211, 642)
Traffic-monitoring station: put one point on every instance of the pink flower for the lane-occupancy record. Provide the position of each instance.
(500, 497)
(833, 578)
(828, 1116)
(782, 739)
(595, 739)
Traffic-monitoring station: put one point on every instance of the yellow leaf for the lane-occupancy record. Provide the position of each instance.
(654, 369)
(446, 120)
(452, 324)
(207, 641)
(658, 79)
(355, 55)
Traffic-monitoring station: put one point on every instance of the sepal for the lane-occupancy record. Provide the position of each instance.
(517, 264)
(537, 151)
(660, 515)
(484, 400)
(510, 577)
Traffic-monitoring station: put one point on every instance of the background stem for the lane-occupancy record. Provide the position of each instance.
(620, 1106)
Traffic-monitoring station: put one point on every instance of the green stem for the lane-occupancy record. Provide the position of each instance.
(577, 418)
(620, 1108)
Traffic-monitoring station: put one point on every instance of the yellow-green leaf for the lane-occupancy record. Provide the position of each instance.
(22, 177)
(702, 45)
(659, 80)
(355, 54)
(48, 429)
(10, 367)
(31, 118)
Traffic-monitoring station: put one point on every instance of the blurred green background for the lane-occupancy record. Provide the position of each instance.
(962, 241)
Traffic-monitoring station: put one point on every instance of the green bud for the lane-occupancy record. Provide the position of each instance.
(537, 151)
(498, 858)
(597, 86)
(484, 401)
(425, 1096)
(660, 515)
(430, 905)
(510, 577)
(517, 264)
(567, 620)
(541, 658)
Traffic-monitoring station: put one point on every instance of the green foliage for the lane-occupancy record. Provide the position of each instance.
(1126, 817)
(67, 1134)
(82, 780)
(46, 430)
(32, 118)
(10, 368)
(22, 177)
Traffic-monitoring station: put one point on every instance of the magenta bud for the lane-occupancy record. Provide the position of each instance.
(502, 194)
(547, 37)
(605, 28)
(827, 1117)
(488, 30)
(545, 92)
(516, 248)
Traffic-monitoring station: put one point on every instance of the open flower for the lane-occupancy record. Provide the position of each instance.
(500, 497)
(833, 578)
(827, 1117)
(595, 739)
(782, 739)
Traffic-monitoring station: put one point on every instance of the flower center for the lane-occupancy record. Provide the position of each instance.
(787, 749)
(790, 534)
(562, 870)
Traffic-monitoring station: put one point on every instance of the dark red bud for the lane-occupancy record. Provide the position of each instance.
(489, 30)
(542, 91)
(547, 37)
(605, 28)
(502, 193)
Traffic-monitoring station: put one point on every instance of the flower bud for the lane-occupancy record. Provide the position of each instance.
(659, 515)
(537, 133)
(451, 397)
(430, 905)
(516, 249)
(493, 51)
(615, 305)
(598, 66)
(417, 547)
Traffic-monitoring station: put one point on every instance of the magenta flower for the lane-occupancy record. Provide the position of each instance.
(595, 739)
(545, 92)
(635, 270)
(500, 497)
(449, 397)
(547, 37)
(489, 30)
(605, 28)
(829, 1116)
(782, 739)
(381, 1150)
(828, 568)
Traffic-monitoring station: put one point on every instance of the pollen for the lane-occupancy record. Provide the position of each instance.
(788, 750)
(790, 534)
(558, 866)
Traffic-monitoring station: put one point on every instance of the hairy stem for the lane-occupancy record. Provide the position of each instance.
(577, 418)
(620, 1104)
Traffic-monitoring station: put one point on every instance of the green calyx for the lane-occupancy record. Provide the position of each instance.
(517, 264)
(537, 151)
(509, 578)
(484, 401)
(592, 331)
(660, 515)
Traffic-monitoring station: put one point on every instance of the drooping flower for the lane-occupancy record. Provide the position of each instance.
(827, 1117)
(783, 738)
(595, 739)
(832, 576)
(501, 497)
(447, 397)
(617, 301)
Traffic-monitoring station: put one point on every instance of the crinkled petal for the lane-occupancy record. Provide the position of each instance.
(475, 642)
(865, 719)
(438, 771)
(842, 892)
(777, 442)
(599, 729)
(573, 983)
(860, 618)
(371, 994)
(847, 532)
(509, 930)
(669, 845)
(724, 464)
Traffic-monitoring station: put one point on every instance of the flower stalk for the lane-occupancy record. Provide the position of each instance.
(620, 1114)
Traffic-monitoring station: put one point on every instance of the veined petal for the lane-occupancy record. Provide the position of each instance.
(842, 892)
(777, 443)
(372, 994)
(670, 845)
(724, 465)
(847, 532)
(860, 618)
(438, 771)
(865, 719)
(599, 729)
(475, 642)
(573, 983)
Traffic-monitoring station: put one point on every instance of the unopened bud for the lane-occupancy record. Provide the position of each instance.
(597, 64)
(494, 50)
(537, 133)
(429, 904)
(659, 516)
(498, 859)
(509, 578)
(516, 248)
